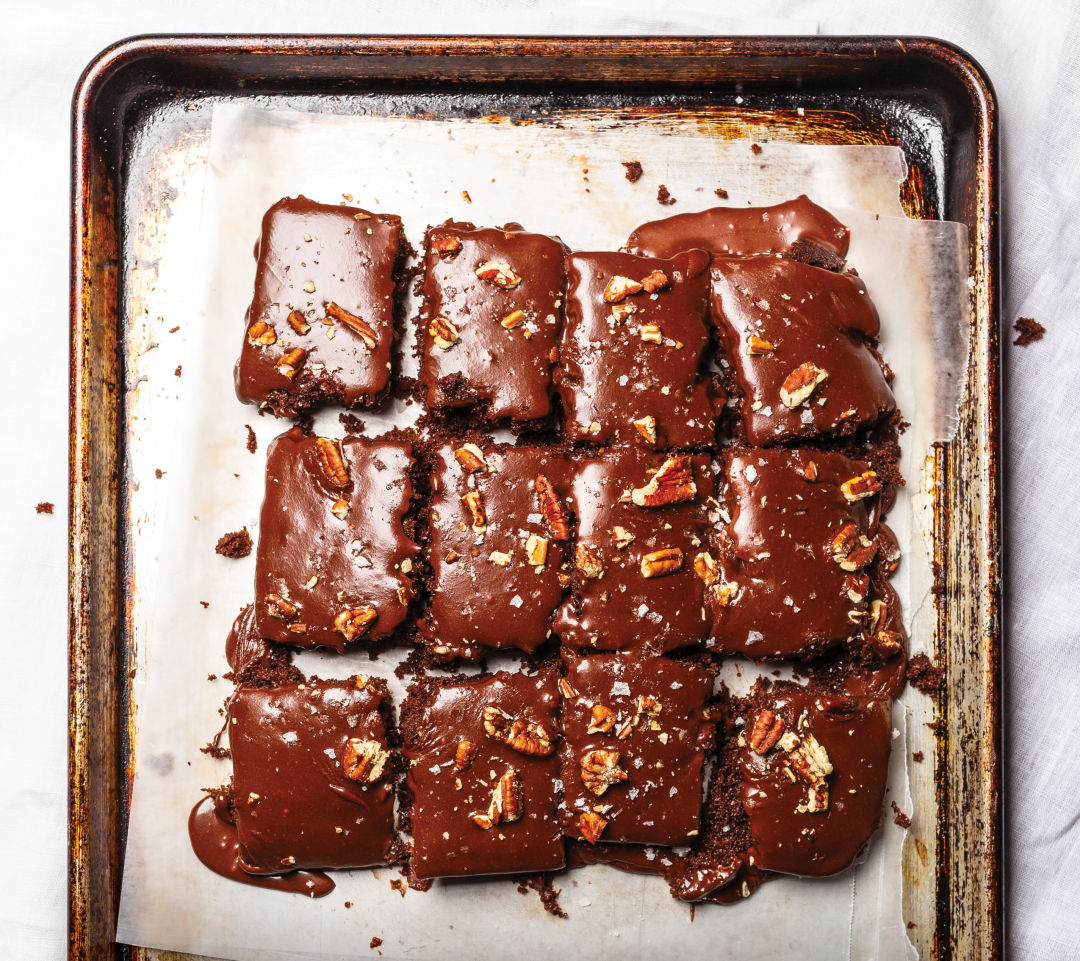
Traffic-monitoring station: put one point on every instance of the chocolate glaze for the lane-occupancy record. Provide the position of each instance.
(744, 231)
(294, 802)
(808, 315)
(362, 559)
(792, 596)
(662, 754)
(857, 736)
(475, 603)
(350, 259)
(608, 377)
(245, 646)
(437, 716)
(509, 369)
(622, 609)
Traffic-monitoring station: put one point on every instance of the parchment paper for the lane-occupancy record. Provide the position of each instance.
(567, 181)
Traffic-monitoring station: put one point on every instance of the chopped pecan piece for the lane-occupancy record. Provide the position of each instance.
(525, 737)
(671, 484)
(588, 562)
(552, 508)
(332, 462)
(855, 587)
(766, 731)
(652, 334)
(851, 550)
(297, 322)
(445, 246)
(600, 769)
(464, 755)
(357, 325)
(810, 760)
(705, 568)
(602, 719)
(801, 383)
(364, 760)
(591, 826)
(567, 690)
(646, 427)
(621, 537)
(878, 610)
(648, 705)
(725, 592)
(536, 549)
(498, 273)
(809, 471)
(657, 280)
(475, 503)
(619, 288)
(501, 558)
(856, 488)
(261, 335)
(513, 319)
(470, 457)
(667, 560)
(758, 345)
(886, 644)
(279, 607)
(619, 312)
(340, 509)
(291, 361)
(355, 621)
(443, 333)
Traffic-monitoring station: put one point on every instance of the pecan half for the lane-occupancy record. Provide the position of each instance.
(810, 760)
(619, 288)
(357, 325)
(536, 549)
(591, 826)
(506, 803)
(443, 332)
(758, 345)
(470, 457)
(291, 361)
(667, 560)
(878, 611)
(447, 245)
(801, 383)
(261, 335)
(602, 719)
(364, 760)
(332, 462)
(766, 731)
(588, 562)
(850, 549)
(475, 503)
(857, 488)
(671, 484)
(600, 769)
(646, 427)
(552, 508)
(525, 737)
(657, 280)
(464, 755)
(279, 607)
(297, 322)
(353, 622)
(498, 273)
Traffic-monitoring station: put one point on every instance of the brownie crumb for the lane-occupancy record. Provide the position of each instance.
(252, 440)
(215, 751)
(205, 604)
(721, 193)
(179, 369)
(235, 544)
(375, 942)
(663, 197)
(917, 756)
(924, 675)
(45, 507)
(1029, 330)
(211, 677)
(465, 196)
(173, 330)
(351, 423)
(633, 170)
(755, 148)
(348, 904)
(910, 925)
(399, 885)
(158, 473)
(901, 818)
(549, 896)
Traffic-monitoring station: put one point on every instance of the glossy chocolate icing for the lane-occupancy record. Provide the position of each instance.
(857, 736)
(796, 226)
(245, 647)
(508, 368)
(608, 376)
(435, 719)
(322, 563)
(484, 592)
(295, 803)
(807, 316)
(213, 839)
(622, 609)
(792, 598)
(309, 255)
(660, 746)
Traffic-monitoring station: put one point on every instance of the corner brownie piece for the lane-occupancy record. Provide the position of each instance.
(483, 774)
(796, 228)
(799, 342)
(312, 775)
(499, 548)
(633, 750)
(814, 768)
(632, 350)
(642, 520)
(793, 573)
(320, 327)
(334, 561)
(490, 319)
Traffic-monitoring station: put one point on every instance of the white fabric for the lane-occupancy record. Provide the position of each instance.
(1031, 51)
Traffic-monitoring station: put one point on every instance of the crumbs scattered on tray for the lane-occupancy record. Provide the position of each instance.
(633, 170)
(721, 193)
(901, 818)
(465, 196)
(374, 943)
(234, 544)
(205, 604)
(159, 473)
(549, 895)
(45, 507)
(399, 885)
(252, 440)
(1029, 331)
(755, 148)
(663, 197)
(924, 675)
(917, 756)
(179, 369)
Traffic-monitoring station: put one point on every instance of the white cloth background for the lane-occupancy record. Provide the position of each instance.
(1031, 51)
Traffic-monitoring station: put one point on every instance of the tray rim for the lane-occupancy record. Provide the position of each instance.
(86, 518)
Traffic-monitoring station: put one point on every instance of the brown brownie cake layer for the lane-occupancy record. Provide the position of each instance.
(320, 328)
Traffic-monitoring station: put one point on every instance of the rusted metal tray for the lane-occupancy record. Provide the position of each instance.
(141, 131)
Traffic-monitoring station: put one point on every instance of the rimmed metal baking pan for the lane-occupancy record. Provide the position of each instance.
(141, 130)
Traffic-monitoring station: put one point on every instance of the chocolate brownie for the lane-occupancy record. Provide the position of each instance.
(320, 327)
(798, 227)
(312, 775)
(642, 520)
(334, 562)
(490, 320)
(799, 343)
(483, 772)
(633, 748)
(499, 547)
(632, 351)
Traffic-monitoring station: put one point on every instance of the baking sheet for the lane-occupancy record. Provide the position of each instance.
(568, 181)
